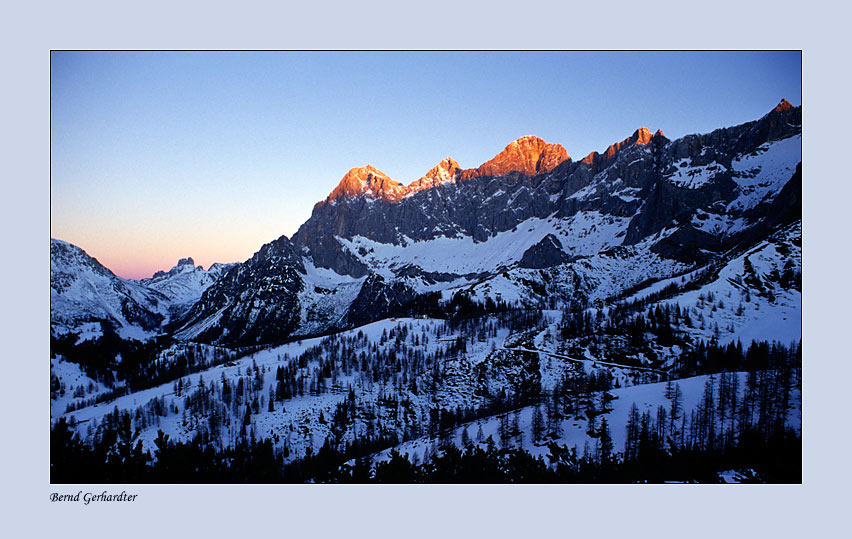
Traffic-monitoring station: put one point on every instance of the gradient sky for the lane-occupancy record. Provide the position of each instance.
(161, 155)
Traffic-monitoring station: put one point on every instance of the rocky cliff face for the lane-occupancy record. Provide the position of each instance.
(253, 302)
(648, 179)
(640, 137)
(544, 254)
(445, 171)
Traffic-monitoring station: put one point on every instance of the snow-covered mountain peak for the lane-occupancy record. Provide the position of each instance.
(64, 255)
(183, 265)
(82, 291)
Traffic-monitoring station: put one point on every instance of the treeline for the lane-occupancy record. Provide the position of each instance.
(475, 464)
(116, 456)
(460, 306)
(627, 332)
(125, 366)
(97, 357)
(711, 358)
(773, 460)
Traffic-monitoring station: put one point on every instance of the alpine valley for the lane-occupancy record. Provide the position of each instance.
(634, 315)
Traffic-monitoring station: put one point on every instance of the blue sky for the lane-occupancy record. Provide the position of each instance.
(160, 155)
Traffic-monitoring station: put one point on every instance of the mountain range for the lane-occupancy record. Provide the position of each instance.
(462, 290)
(374, 245)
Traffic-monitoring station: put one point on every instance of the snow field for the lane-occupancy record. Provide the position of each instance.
(765, 173)
(693, 177)
(583, 234)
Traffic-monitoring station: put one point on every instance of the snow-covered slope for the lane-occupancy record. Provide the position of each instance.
(755, 296)
(762, 173)
(582, 234)
(388, 378)
(84, 294)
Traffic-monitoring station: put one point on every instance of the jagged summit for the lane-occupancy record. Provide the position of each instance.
(367, 179)
(446, 171)
(183, 265)
(640, 137)
(528, 155)
(63, 253)
(782, 106)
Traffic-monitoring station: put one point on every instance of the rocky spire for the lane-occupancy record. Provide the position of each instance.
(640, 137)
(445, 171)
(782, 106)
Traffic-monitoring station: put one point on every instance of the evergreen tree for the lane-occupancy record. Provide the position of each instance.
(605, 445)
(675, 407)
(465, 438)
(537, 424)
(631, 444)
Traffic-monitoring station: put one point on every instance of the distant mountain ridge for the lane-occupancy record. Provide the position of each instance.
(184, 283)
(84, 293)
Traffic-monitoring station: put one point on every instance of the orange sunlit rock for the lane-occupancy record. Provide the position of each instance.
(528, 155)
(367, 180)
(445, 171)
(784, 105)
(640, 137)
(591, 158)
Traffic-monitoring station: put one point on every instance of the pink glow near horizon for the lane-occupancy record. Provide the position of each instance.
(129, 268)
(140, 258)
